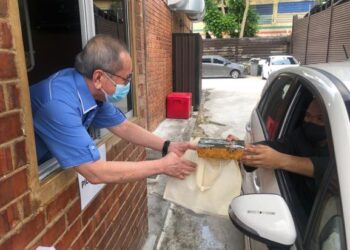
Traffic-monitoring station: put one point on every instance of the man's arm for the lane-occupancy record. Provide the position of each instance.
(120, 172)
(266, 157)
(140, 136)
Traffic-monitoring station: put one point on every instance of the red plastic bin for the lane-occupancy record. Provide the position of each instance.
(179, 105)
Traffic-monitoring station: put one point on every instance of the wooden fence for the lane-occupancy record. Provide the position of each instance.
(322, 37)
(242, 50)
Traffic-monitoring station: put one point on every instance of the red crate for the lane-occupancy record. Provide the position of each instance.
(179, 105)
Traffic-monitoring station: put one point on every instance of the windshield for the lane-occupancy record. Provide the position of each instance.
(282, 61)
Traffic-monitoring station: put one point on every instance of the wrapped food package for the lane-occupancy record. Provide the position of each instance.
(220, 149)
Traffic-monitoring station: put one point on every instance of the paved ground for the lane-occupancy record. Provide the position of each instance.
(225, 109)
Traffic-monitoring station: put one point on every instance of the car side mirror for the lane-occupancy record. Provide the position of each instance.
(265, 218)
(226, 63)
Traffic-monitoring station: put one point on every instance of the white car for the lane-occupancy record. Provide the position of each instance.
(272, 212)
(273, 63)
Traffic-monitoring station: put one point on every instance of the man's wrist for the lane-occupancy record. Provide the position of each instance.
(165, 148)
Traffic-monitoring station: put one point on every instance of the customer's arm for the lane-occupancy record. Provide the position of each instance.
(266, 157)
(140, 136)
(124, 171)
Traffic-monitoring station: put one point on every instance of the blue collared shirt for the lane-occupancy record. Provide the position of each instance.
(63, 108)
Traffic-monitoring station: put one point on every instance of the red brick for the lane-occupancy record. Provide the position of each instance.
(9, 218)
(2, 99)
(5, 160)
(13, 187)
(5, 35)
(74, 211)
(21, 154)
(26, 234)
(69, 236)
(7, 65)
(10, 127)
(53, 233)
(13, 96)
(57, 205)
(3, 8)
(26, 206)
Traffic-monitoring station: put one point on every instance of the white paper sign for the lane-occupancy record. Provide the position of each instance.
(87, 190)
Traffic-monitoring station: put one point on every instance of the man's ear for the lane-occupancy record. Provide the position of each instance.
(97, 78)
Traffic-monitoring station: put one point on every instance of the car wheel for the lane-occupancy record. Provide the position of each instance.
(234, 74)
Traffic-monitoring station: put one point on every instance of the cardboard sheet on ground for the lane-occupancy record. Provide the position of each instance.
(210, 189)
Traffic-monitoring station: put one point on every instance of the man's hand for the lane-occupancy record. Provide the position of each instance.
(262, 156)
(177, 167)
(179, 148)
(232, 138)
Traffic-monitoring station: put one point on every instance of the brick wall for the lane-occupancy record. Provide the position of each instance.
(116, 219)
(160, 24)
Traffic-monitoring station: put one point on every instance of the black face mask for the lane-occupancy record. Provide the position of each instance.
(314, 133)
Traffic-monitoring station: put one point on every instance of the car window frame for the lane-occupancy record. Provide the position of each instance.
(301, 241)
(266, 97)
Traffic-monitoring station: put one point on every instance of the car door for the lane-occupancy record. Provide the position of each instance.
(206, 64)
(218, 67)
(265, 122)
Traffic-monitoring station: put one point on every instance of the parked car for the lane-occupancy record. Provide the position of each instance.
(218, 66)
(285, 222)
(274, 63)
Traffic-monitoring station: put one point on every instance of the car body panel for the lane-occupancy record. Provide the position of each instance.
(218, 66)
(330, 83)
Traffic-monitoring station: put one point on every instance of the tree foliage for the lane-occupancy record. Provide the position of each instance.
(218, 22)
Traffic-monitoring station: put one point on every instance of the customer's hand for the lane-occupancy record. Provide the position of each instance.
(231, 137)
(177, 167)
(179, 148)
(261, 156)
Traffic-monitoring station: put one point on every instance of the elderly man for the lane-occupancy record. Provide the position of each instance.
(69, 101)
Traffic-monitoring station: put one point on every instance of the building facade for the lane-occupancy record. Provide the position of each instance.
(42, 205)
(275, 16)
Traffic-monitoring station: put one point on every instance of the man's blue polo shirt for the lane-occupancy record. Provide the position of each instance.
(63, 108)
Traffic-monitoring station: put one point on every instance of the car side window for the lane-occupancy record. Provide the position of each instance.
(328, 230)
(205, 60)
(273, 106)
(217, 61)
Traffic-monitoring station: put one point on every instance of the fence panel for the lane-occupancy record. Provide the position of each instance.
(321, 37)
(318, 37)
(241, 50)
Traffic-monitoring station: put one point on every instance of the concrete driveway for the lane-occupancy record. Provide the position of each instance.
(225, 108)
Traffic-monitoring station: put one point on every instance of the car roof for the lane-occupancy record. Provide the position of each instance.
(338, 69)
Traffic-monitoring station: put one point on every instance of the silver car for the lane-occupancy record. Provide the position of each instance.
(218, 66)
(274, 212)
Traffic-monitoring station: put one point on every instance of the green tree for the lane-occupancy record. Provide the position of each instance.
(218, 22)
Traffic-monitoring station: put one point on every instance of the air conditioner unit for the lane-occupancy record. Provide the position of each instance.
(187, 6)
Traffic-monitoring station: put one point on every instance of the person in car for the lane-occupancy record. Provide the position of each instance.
(304, 151)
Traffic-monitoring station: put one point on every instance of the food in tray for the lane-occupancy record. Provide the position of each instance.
(219, 148)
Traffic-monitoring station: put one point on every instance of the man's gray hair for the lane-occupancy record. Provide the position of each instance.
(100, 52)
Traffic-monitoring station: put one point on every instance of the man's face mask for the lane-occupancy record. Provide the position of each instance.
(121, 91)
(314, 133)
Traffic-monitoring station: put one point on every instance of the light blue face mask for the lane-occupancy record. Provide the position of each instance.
(121, 91)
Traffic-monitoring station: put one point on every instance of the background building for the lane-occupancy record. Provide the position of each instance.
(275, 16)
